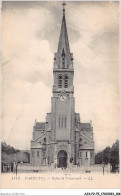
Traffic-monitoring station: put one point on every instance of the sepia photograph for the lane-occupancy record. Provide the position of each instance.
(60, 116)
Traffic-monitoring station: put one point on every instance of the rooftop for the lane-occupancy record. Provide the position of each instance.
(39, 125)
(85, 125)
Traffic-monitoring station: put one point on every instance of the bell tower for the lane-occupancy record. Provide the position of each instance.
(63, 102)
(62, 140)
(63, 62)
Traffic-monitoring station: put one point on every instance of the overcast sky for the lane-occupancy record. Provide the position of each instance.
(30, 34)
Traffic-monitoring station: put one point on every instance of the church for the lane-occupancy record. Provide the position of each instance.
(62, 140)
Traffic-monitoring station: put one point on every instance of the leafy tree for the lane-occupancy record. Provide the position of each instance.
(109, 155)
(103, 156)
(114, 159)
(98, 157)
(9, 154)
(8, 149)
(106, 155)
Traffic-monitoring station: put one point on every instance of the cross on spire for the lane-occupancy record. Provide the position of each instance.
(63, 4)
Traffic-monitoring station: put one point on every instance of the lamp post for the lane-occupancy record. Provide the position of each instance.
(16, 167)
(109, 161)
(103, 165)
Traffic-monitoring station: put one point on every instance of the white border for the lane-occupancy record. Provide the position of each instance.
(59, 192)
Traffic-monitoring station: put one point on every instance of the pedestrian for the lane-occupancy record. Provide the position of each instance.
(55, 165)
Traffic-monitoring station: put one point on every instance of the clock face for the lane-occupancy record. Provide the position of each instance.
(63, 97)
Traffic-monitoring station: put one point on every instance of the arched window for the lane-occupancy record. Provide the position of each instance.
(32, 154)
(65, 121)
(37, 153)
(59, 121)
(81, 142)
(62, 121)
(63, 58)
(86, 154)
(66, 82)
(80, 154)
(60, 82)
(44, 140)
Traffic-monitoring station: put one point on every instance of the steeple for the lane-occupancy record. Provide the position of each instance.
(63, 57)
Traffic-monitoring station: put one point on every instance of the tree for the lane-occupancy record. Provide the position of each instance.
(109, 155)
(114, 159)
(106, 155)
(10, 154)
(8, 149)
(103, 156)
(98, 157)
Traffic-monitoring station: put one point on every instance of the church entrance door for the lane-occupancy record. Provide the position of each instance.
(62, 158)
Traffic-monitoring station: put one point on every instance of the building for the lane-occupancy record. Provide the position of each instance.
(62, 140)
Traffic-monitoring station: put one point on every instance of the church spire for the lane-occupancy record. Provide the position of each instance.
(63, 41)
(63, 55)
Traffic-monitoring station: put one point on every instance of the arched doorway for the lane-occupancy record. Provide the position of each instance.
(62, 158)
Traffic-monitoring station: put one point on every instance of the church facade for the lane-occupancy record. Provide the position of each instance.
(62, 139)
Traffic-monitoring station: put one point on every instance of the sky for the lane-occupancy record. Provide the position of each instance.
(30, 34)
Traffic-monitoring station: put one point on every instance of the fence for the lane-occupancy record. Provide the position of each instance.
(82, 169)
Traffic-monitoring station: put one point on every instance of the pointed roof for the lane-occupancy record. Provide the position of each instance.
(39, 125)
(85, 126)
(63, 57)
(63, 40)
